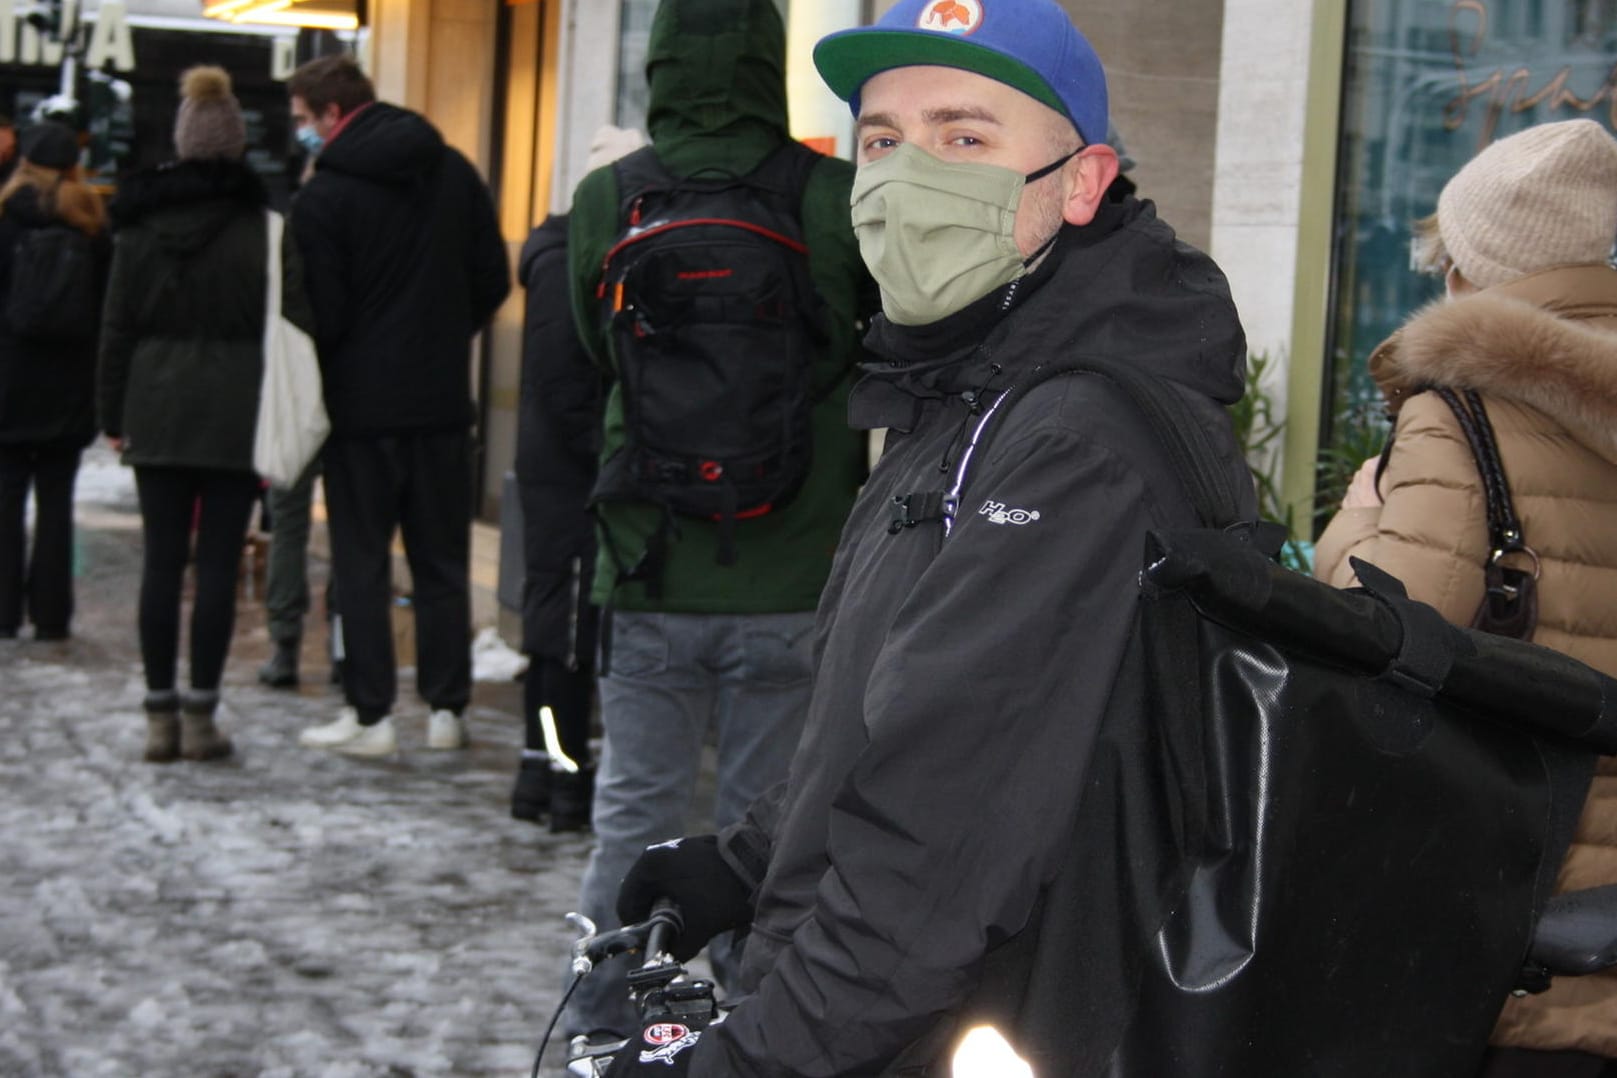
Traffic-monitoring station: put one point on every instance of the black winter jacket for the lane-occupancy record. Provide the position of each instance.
(182, 343)
(961, 679)
(559, 416)
(47, 389)
(405, 263)
(558, 440)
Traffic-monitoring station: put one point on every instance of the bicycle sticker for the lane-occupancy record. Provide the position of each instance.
(669, 1039)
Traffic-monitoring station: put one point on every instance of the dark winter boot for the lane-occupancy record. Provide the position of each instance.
(530, 797)
(570, 796)
(200, 739)
(162, 726)
(281, 672)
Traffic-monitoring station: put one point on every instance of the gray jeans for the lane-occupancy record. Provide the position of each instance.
(672, 676)
(286, 583)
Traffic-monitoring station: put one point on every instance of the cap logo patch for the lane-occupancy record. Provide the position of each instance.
(951, 16)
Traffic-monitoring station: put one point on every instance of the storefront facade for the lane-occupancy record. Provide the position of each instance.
(1297, 141)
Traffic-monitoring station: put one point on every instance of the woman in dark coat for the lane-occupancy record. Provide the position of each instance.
(181, 363)
(47, 386)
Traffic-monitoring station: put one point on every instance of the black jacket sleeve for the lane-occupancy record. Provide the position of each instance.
(317, 224)
(559, 406)
(295, 306)
(746, 844)
(117, 343)
(487, 273)
(980, 717)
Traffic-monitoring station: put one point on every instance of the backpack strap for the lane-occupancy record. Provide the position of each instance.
(784, 173)
(637, 174)
(1177, 428)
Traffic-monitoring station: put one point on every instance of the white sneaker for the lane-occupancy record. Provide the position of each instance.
(345, 734)
(446, 730)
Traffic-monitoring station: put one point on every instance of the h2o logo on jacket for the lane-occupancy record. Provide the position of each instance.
(951, 16)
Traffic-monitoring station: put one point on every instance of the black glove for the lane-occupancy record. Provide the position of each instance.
(710, 896)
(663, 1049)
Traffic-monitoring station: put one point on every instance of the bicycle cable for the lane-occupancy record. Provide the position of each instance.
(544, 1042)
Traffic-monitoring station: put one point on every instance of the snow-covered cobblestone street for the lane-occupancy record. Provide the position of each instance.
(287, 912)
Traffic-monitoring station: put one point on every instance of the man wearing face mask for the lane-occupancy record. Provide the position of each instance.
(403, 263)
(969, 640)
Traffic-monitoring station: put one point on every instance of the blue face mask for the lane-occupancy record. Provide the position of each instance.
(310, 139)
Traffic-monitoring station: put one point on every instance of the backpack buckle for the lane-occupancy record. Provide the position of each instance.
(908, 510)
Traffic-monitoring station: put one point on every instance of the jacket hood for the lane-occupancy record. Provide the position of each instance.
(385, 144)
(715, 68)
(211, 191)
(1548, 340)
(551, 235)
(1147, 299)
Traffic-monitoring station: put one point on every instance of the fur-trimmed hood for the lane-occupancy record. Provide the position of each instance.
(1548, 340)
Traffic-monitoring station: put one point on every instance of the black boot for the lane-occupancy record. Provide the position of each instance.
(571, 793)
(281, 672)
(531, 795)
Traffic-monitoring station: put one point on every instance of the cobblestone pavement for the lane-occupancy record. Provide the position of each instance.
(284, 913)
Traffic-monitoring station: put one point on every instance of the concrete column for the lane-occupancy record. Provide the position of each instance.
(1258, 181)
(1162, 73)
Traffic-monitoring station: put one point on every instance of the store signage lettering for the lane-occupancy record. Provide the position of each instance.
(111, 41)
(1505, 90)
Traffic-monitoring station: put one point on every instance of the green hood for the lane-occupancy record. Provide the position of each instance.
(717, 74)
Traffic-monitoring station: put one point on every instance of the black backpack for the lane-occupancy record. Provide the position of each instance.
(53, 285)
(714, 324)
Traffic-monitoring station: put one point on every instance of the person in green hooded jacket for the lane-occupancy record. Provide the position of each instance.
(711, 643)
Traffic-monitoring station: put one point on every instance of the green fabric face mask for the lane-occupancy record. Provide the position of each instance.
(937, 235)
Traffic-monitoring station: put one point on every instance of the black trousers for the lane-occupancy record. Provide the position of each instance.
(37, 580)
(420, 484)
(568, 693)
(218, 504)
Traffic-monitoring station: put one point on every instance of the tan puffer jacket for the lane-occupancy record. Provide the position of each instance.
(1542, 351)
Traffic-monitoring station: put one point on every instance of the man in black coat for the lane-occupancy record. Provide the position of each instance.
(558, 442)
(404, 263)
(974, 629)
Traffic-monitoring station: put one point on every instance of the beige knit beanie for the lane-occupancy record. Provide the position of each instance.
(1543, 197)
(209, 122)
(610, 143)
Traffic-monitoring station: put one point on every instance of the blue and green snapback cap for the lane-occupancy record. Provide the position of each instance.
(1030, 45)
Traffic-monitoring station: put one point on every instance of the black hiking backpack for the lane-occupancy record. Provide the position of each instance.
(714, 324)
(53, 292)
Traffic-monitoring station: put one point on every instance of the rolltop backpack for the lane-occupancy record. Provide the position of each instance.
(714, 325)
(1316, 832)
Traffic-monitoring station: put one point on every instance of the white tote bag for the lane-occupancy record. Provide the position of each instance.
(292, 421)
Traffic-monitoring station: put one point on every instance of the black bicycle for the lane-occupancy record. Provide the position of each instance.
(673, 1007)
(1576, 936)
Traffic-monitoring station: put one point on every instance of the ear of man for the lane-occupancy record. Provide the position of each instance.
(1088, 176)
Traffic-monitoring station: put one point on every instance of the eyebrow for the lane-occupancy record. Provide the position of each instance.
(952, 114)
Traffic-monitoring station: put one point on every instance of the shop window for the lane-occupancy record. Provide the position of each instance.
(1428, 84)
